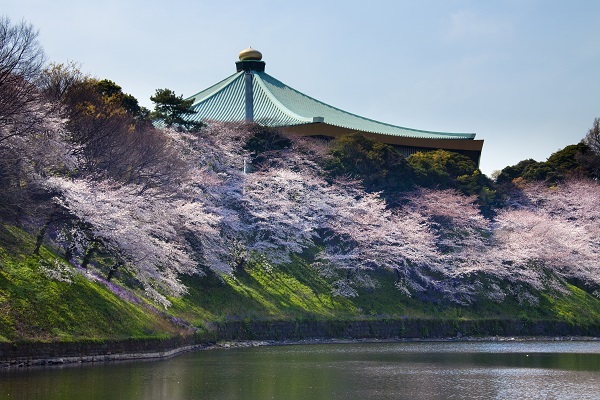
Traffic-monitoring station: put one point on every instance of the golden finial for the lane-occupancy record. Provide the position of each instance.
(250, 54)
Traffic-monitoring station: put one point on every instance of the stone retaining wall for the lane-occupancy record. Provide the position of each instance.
(43, 353)
(395, 328)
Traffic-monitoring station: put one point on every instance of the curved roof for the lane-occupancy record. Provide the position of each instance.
(278, 105)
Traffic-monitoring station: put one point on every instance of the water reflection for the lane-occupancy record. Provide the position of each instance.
(556, 370)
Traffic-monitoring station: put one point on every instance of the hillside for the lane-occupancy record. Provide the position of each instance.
(45, 299)
(44, 303)
(281, 243)
(115, 225)
(238, 223)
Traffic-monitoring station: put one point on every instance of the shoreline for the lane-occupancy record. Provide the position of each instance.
(53, 362)
(92, 359)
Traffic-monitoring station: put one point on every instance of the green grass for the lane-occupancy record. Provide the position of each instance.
(286, 292)
(296, 291)
(34, 306)
(576, 307)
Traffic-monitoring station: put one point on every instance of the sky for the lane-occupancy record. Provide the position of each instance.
(524, 75)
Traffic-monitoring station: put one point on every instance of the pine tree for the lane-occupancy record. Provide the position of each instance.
(172, 110)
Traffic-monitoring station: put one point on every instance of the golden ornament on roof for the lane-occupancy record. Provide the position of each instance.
(250, 54)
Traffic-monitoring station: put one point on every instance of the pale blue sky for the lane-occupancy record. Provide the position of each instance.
(524, 75)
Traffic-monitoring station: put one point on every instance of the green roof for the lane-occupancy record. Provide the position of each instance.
(277, 105)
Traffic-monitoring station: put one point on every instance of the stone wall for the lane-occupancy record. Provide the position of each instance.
(45, 353)
(394, 329)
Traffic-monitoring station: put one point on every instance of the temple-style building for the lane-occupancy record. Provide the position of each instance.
(252, 95)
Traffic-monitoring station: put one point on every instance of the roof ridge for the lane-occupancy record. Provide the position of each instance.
(280, 106)
(448, 134)
(212, 91)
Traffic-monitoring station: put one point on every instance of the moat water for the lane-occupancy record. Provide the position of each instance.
(401, 370)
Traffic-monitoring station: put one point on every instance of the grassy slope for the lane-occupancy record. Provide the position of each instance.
(297, 292)
(287, 292)
(35, 307)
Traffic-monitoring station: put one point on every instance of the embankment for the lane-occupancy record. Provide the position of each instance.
(52, 353)
(394, 329)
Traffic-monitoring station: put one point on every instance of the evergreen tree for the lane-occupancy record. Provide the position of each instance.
(379, 166)
(172, 110)
(440, 168)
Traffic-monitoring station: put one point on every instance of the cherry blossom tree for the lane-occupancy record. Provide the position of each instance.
(145, 233)
(27, 160)
(556, 229)
(461, 236)
(212, 211)
(455, 219)
(290, 207)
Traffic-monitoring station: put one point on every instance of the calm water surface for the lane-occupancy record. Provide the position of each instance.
(423, 370)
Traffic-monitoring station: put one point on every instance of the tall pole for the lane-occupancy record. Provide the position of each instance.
(249, 97)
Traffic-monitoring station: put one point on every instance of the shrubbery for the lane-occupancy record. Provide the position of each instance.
(573, 160)
(381, 168)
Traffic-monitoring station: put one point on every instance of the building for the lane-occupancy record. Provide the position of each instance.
(250, 94)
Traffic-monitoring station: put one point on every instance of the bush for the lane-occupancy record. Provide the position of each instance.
(380, 166)
(440, 168)
(575, 159)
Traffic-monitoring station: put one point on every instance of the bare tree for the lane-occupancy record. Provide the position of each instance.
(57, 79)
(21, 60)
(592, 138)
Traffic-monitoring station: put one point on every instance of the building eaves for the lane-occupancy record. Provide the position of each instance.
(277, 105)
(314, 110)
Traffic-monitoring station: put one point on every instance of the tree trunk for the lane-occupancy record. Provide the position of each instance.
(113, 270)
(69, 253)
(89, 253)
(40, 237)
(42, 233)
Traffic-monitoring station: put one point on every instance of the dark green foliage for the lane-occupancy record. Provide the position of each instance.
(540, 172)
(263, 143)
(173, 110)
(472, 184)
(478, 184)
(565, 160)
(131, 104)
(382, 168)
(114, 92)
(440, 168)
(575, 159)
(378, 165)
(443, 169)
(508, 174)
(108, 88)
